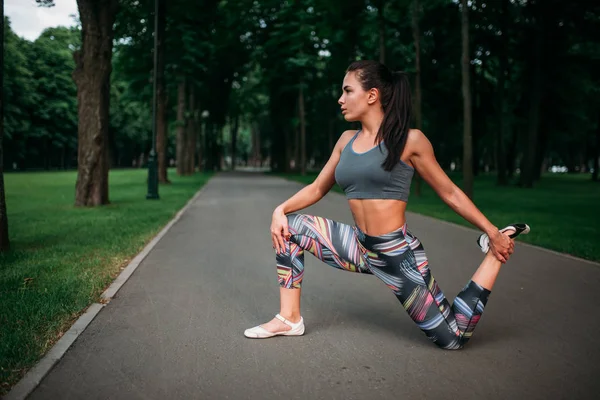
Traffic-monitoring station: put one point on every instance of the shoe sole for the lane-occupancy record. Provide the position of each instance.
(520, 229)
(284, 333)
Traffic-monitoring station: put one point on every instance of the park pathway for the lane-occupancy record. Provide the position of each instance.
(175, 329)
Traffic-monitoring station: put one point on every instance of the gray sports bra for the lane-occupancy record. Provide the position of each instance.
(361, 175)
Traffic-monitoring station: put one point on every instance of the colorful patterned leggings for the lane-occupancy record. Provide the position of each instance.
(399, 260)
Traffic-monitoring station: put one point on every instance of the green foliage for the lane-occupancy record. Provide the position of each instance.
(248, 58)
(41, 104)
(55, 118)
(18, 86)
(41, 100)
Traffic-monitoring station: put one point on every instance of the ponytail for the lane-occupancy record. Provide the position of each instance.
(396, 119)
(395, 97)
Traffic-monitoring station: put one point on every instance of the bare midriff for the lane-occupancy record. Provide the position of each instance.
(378, 216)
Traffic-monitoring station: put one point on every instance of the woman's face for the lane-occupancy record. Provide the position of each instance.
(354, 100)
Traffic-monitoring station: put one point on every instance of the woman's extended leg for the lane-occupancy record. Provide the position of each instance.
(399, 260)
(332, 242)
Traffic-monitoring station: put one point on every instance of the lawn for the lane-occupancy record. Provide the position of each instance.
(561, 209)
(63, 258)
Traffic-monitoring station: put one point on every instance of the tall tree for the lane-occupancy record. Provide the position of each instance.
(161, 94)
(416, 10)
(596, 153)
(4, 239)
(235, 126)
(467, 117)
(502, 129)
(191, 133)
(302, 129)
(535, 100)
(181, 132)
(92, 77)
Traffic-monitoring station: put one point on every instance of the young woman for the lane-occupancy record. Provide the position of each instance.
(375, 166)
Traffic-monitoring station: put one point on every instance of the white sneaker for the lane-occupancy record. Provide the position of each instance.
(483, 241)
(258, 332)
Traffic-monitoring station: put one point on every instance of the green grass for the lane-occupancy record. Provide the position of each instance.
(63, 258)
(562, 210)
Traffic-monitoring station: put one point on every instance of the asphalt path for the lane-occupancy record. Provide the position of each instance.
(175, 329)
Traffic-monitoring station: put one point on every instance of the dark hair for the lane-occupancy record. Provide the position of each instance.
(395, 97)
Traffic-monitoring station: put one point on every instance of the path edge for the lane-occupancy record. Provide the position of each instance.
(37, 373)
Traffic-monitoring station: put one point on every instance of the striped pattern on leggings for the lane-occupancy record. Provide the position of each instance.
(399, 260)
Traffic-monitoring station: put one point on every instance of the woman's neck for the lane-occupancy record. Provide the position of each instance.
(371, 123)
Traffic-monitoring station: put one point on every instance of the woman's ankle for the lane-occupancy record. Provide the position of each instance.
(292, 316)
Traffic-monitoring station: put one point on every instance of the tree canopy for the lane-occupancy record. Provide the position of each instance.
(247, 65)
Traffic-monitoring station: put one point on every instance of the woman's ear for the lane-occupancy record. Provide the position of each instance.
(373, 96)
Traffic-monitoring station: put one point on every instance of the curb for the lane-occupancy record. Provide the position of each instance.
(35, 375)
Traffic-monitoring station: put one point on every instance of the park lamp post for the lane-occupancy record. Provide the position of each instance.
(152, 159)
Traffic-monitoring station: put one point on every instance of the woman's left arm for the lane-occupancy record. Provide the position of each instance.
(423, 159)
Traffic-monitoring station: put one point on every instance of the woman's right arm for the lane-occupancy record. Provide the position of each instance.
(308, 195)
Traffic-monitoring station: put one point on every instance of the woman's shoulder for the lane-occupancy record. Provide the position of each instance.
(346, 137)
(416, 142)
(349, 134)
(415, 135)
(416, 138)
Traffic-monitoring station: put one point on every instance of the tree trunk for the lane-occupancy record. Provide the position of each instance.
(302, 131)
(381, 23)
(540, 148)
(202, 125)
(330, 135)
(221, 147)
(4, 239)
(256, 155)
(46, 156)
(466, 90)
(190, 140)
(277, 151)
(208, 146)
(92, 77)
(502, 129)
(180, 145)
(288, 148)
(214, 147)
(511, 154)
(596, 153)
(416, 10)
(63, 157)
(208, 133)
(296, 156)
(161, 95)
(254, 134)
(477, 90)
(197, 135)
(234, 133)
(528, 173)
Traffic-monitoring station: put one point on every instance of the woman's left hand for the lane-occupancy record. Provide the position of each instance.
(501, 246)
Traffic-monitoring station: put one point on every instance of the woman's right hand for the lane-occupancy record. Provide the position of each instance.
(279, 230)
